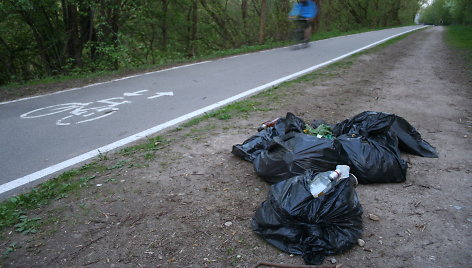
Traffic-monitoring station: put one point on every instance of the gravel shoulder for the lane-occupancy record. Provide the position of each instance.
(190, 203)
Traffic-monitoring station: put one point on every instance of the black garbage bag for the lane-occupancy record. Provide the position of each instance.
(375, 159)
(372, 147)
(253, 146)
(365, 124)
(293, 123)
(295, 222)
(294, 153)
(410, 140)
(370, 123)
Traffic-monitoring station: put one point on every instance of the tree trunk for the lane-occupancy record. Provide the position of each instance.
(115, 27)
(192, 29)
(74, 48)
(319, 4)
(244, 15)
(88, 32)
(42, 49)
(164, 25)
(11, 59)
(262, 21)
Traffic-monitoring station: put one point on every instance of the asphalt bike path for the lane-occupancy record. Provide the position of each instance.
(43, 135)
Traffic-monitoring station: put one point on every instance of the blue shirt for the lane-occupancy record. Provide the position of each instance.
(307, 10)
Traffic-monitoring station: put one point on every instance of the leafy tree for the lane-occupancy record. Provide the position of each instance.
(437, 13)
(461, 11)
(447, 12)
(17, 52)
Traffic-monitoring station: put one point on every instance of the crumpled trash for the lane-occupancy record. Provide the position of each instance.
(294, 221)
(256, 144)
(369, 143)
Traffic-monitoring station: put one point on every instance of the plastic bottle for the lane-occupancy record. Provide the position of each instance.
(324, 181)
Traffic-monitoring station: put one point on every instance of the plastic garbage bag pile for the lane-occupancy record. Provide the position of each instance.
(290, 154)
(370, 143)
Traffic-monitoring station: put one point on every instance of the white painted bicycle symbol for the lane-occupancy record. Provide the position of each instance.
(79, 113)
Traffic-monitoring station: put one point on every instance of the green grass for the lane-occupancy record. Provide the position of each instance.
(152, 144)
(27, 225)
(11, 248)
(460, 37)
(120, 164)
(13, 211)
(149, 156)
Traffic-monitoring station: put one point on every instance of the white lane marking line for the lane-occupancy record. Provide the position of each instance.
(102, 83)
(73, 161)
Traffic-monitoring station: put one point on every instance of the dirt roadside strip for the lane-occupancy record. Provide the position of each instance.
(185, 201)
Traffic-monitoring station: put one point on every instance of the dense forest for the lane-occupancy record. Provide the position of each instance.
(46, 38)
(445, 12)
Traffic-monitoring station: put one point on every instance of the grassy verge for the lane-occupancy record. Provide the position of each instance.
(16, 211)
(460, 37)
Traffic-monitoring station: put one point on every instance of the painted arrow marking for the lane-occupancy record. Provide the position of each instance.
(134, 94)
(160, 94)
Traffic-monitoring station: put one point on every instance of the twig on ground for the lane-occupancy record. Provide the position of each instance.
(89, 263)
(140, 217)
(76, 254)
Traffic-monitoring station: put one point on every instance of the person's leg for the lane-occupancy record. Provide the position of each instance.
(299, 31)
(307, 33)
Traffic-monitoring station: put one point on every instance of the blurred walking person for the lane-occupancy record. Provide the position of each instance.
(303, 13)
